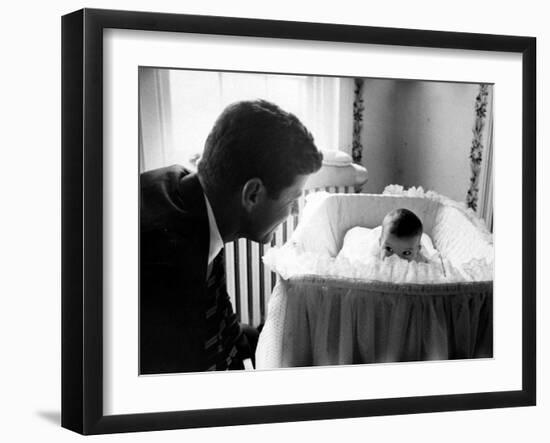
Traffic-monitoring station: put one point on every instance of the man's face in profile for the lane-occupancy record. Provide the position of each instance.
(269, 213)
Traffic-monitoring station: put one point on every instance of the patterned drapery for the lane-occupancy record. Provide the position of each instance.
(476, 150)
(358, 108)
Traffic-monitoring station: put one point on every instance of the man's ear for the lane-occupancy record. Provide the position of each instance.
(252, 193)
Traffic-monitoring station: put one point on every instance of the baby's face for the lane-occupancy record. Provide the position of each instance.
(407, 248)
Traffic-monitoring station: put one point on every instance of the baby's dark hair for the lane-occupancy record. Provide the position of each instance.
(402, 223)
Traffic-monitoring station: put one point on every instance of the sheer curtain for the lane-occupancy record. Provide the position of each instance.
(179, 107)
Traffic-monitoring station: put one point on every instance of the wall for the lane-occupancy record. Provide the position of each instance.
(418, 134)
(30, 223)
(377, 135)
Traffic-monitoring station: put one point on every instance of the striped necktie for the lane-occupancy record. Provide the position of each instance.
(222, 329)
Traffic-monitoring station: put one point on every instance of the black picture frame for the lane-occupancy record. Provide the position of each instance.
(82, 230)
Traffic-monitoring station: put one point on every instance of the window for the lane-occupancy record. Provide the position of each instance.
(179, 107)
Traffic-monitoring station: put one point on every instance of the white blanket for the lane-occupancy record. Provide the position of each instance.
(363, 244)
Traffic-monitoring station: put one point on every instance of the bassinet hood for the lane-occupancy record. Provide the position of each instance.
(464, 243)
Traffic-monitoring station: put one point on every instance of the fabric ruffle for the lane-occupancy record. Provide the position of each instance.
(288, 262)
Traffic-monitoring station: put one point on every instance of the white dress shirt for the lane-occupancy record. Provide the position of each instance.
(216, 242)
(216, 245)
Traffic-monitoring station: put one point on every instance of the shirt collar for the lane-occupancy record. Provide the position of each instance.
(216, 242)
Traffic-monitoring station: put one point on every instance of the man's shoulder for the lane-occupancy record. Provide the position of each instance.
(171, 197)
(173, 183)
(167, 174)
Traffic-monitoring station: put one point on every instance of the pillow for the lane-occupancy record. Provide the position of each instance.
(334, 157)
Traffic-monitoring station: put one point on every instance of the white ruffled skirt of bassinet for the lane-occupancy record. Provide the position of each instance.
(417, 310)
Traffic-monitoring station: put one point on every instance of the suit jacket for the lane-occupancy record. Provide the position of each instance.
(174, 242)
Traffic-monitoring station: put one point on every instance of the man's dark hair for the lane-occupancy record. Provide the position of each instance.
(257, 139)
(402, 223)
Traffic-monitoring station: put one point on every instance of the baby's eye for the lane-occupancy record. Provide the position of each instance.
(407, 253)
(388, 249)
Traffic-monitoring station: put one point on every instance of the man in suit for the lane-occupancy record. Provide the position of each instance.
(256, 160)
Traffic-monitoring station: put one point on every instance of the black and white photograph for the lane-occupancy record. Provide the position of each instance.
(291, 220)
(275, 221)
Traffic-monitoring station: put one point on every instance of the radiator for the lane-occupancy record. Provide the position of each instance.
(249, 282)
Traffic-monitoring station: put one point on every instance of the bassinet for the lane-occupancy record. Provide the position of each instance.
(318, 315)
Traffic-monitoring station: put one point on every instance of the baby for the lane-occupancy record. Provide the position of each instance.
(401, 233)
